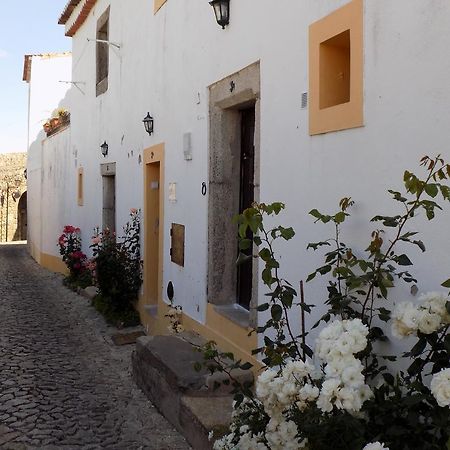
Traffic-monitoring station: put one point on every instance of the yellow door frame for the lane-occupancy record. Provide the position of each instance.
(153, 159)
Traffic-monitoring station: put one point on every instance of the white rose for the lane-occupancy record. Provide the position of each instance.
(440, 387)
(352, 376)
(405, 318)
(375, 446)
(309, 392)
(429, 322)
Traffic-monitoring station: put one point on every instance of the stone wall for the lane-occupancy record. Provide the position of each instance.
(13, 186)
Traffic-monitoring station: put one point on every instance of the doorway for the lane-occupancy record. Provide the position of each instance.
(109, 203)
(246, 198)
(153, 223)
(234, 162)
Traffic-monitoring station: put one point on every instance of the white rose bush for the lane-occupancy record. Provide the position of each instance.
(346, 390)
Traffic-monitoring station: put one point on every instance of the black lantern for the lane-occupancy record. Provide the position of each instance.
(222, 11)
(148, 123)
(104, 148)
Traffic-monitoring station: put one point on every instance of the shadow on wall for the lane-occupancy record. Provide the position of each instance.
(21, 231)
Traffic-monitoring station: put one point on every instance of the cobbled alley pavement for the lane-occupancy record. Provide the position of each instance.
(63, 384)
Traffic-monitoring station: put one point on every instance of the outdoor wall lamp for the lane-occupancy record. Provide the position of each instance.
(104, 147)
(148, 123)
(222, 11)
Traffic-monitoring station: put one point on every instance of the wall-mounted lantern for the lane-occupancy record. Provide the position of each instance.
(148, 123)
(222, 11)
(104, 147)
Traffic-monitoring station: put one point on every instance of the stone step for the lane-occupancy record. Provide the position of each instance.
(163, 367)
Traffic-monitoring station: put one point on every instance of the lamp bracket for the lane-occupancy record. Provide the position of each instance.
(103, 41)
(76, 84)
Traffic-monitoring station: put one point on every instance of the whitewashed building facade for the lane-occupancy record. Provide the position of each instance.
(325, 98)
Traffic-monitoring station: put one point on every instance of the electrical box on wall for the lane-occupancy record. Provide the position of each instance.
(172, 192)
(187, 146)
(177, 235)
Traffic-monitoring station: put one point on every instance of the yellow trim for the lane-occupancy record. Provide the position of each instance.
(53, 263)
(157, 5)
(152, 155)
(228, 336)
(344, 115)
(80, 187)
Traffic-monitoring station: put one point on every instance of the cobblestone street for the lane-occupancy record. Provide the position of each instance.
(63, 384)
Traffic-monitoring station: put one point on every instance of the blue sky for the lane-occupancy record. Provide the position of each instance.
(26, 26)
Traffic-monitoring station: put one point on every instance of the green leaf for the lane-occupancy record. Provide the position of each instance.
(418, 348)
(403, 260)
(277, 207)
(315, 213)
(246, 366)
(316, 245)
(307, 350)
(311, 276)
(287, 233)
(446, 284)
(339, 217)
(415, 367)
(432, 190)
(324, 269)
(267, 276)
(420, 244)
(389, 379)
(245, 244)
(265, 254)
(276, 312)
(263, 307)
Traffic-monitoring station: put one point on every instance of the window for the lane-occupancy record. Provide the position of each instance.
(80, 187)
(102, 57)
(336, 70)
(334, 88)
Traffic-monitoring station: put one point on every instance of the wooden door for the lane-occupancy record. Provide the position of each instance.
(246, 198)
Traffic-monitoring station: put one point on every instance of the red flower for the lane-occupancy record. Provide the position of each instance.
(69, 229)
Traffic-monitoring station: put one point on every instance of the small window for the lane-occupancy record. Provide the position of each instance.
(334, 86)
(336, 70)
(177, 234)
(80, 187)
(102, 57)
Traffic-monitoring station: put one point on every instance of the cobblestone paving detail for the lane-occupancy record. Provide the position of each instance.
(63, 384)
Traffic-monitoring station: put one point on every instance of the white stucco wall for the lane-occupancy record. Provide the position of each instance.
(164, 66)
(46, 89)
(46, 94)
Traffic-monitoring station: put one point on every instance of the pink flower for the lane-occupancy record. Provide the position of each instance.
(133, 211)
(96, 240)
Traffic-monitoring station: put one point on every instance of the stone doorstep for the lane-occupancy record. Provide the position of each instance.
(200, 415)
(163, 367)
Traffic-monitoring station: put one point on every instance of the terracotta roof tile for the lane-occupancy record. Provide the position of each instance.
(82, 16)
(68, 10)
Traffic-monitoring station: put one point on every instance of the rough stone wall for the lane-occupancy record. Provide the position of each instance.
(12, 187)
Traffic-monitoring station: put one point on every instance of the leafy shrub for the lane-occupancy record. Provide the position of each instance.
(341, 394)
(117, 266)
(70, 249)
